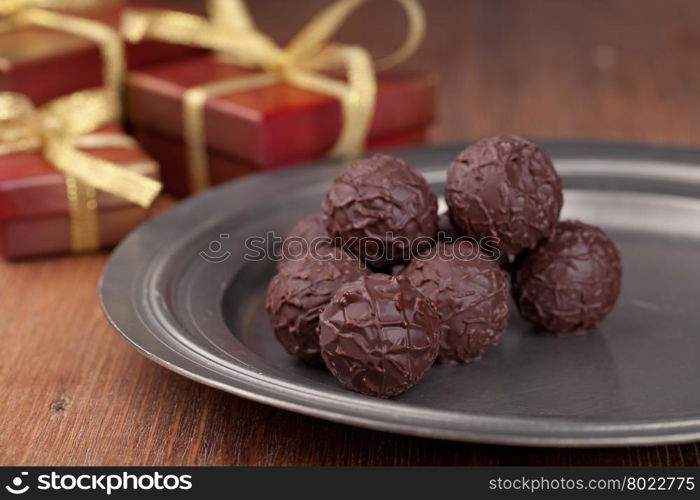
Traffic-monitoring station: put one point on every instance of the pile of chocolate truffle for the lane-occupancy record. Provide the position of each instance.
(385, 287)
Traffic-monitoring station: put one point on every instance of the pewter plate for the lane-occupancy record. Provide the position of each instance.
(636, 380)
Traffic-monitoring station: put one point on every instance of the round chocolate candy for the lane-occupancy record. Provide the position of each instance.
(505, 187)
(299, 292)
(381, 210)
(470, 293)
(571, 282)
(379, 335)
(303, 235)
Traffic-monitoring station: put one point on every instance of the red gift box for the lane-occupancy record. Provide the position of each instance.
(34, 60)
(263, 128)
(34, 210)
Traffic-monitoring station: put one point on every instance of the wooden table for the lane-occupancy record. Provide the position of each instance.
(73, 392)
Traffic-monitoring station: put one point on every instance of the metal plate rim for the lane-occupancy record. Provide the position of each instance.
(490, 429)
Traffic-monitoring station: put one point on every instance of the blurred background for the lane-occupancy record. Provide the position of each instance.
(600, 69)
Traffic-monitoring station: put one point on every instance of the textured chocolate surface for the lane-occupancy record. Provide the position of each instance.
(470, 294)
(571, 282)
(302, 234)
(382, 208)
(504, 187)
(379, 335)
(299, 292)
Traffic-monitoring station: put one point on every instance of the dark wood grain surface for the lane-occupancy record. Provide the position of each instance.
(73, 392)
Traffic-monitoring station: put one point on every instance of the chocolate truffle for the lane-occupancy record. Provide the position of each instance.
(302, 235)
(299, 292)
(504, 187)
(571, 282)
(470, 293)
(381, 209)
(379, 335)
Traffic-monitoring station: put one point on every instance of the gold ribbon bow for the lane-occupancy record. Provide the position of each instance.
(230, 31)
(60, 129)
(18, 13)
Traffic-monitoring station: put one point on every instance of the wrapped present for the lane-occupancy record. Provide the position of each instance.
(262, 128)
(38, 44)
(253, 105)
(69, 181)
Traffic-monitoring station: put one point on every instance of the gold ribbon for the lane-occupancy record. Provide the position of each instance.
(60, 129)
(15, 14)
(230, 31)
